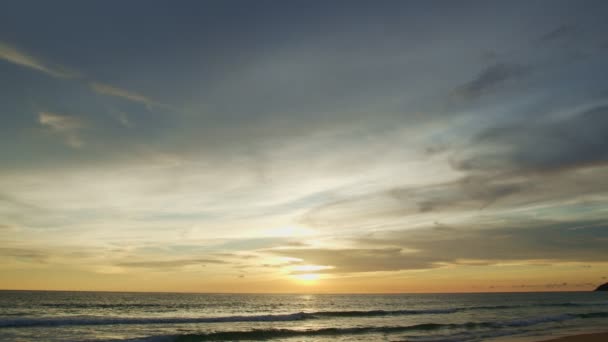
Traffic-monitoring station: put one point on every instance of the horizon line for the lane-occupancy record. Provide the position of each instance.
(294, 293)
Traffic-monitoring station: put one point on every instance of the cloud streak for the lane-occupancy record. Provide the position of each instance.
(560, 32)
(490, 79)
(432, 247)
(108, 90)
(14, 55)
(169, 264)
(25, 254)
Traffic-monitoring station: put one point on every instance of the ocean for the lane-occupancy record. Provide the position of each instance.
(114, 316)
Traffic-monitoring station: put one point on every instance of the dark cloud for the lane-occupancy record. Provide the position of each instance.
(561, 32)
(235, 255)
(577, 141)
(474, 193)
(433, 247)
(467, 193)
(282, 264)
(490, 79)
(519, 164)
(255, 243)
(359, 260)
(489, 56)
(566, 241)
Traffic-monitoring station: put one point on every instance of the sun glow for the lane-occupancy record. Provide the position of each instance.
(307, 278)
(309, 268)
(304, 274)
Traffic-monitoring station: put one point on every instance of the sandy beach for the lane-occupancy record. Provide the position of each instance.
(595, 337)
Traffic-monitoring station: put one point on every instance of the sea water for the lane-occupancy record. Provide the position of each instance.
(112, 316)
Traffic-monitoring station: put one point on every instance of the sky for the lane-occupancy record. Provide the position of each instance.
(304, 146)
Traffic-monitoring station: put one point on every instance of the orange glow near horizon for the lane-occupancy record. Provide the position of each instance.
(521, 278)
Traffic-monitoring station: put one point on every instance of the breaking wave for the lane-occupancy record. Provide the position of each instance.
(267, 334)
(300, 316)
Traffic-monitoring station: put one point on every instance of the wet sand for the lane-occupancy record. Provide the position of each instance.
(597, 337)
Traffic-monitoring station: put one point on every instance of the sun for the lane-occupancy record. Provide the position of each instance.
(305, 274)
(307, 278)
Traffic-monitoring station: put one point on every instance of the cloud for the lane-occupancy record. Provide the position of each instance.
(164, 264)
(431, 247)
(123, 118)
(490, 79)
(8, 227)
(65, 125)
(310, 129)
(512, 166)
(60, 123)
(561, 32)
(558, 241)
(25, 254)
(476, 193)
(575, 142)
(109, 90)
(468, 193)
(14, 55)
(354, 260)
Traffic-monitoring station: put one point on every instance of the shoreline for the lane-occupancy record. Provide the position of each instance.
(592, 337)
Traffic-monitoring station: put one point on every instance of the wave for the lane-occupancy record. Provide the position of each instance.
(93, 320)
(300, 316)
(267, 334)
(520, 306)
(264, 334)
(571, 304)
(372, 313)
(341, 313)
(104, 305)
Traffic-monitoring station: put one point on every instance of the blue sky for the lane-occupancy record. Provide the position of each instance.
(264, 139)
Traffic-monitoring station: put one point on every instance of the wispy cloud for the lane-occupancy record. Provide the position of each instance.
(563, 31)
(489, 79)
(24, 254)
(64, 125)
(123, 118)
(16, 56)
(105, 89)
(164, 264)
